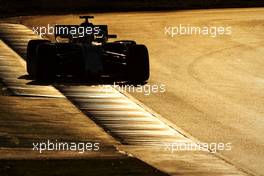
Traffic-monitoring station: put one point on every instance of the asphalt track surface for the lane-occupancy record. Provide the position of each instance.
(214, 86)
(140, 131)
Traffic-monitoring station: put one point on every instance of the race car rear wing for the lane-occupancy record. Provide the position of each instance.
(100, 32)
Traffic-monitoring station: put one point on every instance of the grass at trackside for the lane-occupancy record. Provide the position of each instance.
(31, 7)
(93, 166)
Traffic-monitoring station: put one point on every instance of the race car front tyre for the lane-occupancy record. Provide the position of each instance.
(46, 62)
(138, 64)
(32, 55)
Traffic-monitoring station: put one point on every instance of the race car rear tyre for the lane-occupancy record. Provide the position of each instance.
(46, 62)
(115, 47)
(138, 64)
(32, 55)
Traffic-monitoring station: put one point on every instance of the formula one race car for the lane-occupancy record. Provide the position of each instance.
(84, 51)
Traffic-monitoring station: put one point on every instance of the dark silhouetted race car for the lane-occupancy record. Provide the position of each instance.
(84, 51)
